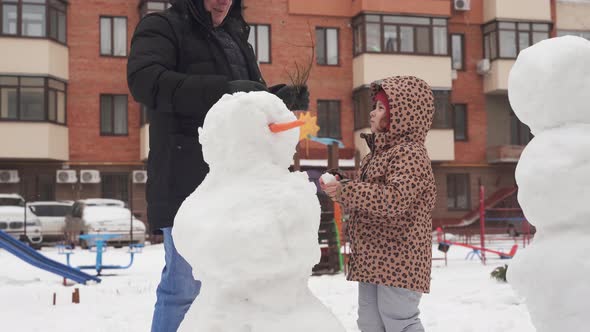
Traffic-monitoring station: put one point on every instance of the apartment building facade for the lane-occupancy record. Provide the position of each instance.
(69, 128)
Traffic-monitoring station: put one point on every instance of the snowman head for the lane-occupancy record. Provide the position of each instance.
(549, 83)
(249, 130)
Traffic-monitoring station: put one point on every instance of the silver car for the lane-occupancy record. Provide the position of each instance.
(12, 220)
(53, 218)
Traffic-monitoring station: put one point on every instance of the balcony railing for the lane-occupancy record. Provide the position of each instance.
(504, 153)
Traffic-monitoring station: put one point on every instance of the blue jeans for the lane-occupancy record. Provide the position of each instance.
(177, 290)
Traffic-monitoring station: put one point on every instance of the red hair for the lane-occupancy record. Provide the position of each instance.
(384, 99)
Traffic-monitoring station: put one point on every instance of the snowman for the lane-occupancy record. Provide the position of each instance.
(250, 230)
(549, 88)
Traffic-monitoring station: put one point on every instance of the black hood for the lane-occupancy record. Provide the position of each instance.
(196, 8)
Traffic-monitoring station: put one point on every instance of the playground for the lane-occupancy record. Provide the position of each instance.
(463, 297)
(108, 289)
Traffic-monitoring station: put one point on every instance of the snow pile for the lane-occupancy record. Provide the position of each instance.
(548, 90)
(250, 230)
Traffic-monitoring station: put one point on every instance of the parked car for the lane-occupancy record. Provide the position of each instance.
(102, 202)
(97, 216)
(12, 220)
(53, 218)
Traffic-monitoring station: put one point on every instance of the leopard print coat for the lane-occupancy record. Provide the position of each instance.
(391, 201)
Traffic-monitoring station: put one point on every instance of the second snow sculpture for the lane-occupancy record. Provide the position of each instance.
(250, 230)
(548, 90)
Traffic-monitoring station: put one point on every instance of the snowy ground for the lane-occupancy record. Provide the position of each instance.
(463, 296)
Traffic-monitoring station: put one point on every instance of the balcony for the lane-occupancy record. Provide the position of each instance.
(422, 7)
(336, 7)
(496, 80)
(440, 144)
(34, 56)
(144, 142)
(33, 140)
(504, 154)
(523, 10)
(435, 70)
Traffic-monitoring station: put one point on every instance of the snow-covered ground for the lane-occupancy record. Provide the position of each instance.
(464, 298)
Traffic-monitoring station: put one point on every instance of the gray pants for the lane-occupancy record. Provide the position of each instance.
(388, 309)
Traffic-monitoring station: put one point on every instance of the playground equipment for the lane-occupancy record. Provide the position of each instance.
(98, 242)
(500, 219)
(38, 260)
(444, 245)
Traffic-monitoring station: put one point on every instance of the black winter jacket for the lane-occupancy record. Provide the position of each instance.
(178, 70)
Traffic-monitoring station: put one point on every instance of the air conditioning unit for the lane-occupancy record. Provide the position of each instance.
(462, 5)
(66, 176)
(9, 176)
(89, 176)
(483, 66)
(139, 176)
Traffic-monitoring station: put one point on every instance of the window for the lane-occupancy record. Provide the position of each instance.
(506, 39)
(50, 210)
(327, 46)
(457, 53)
(113, 115)
(259, 38)
(583, 34)
(520, 134)
(329, 118)
(460, 122)
(151, 6)
(115, 186)
(357, 37)
(56, 100)
(34, 18)
(9, 201)
(443, 116)
(113, 36)
(400, 34)
(32, 99)
(458, 194)
(57, 21)
(363, 105)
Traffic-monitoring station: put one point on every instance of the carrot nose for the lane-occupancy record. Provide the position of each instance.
(283, 126)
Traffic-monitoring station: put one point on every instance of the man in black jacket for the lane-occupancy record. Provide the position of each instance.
(181, 62)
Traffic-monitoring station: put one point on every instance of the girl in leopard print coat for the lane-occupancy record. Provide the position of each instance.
(390, 205)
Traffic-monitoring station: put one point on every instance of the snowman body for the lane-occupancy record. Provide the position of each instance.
(250, 230)
(548, 90)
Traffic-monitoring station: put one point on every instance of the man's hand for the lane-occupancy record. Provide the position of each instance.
(295, 97)
(245, 86)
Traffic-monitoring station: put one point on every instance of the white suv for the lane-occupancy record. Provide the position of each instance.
(103, 216)
(13, 216)
(53, 218)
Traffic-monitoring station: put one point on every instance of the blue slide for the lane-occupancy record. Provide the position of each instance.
(31, 256)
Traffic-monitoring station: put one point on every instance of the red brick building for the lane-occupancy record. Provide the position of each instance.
(70, 129)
